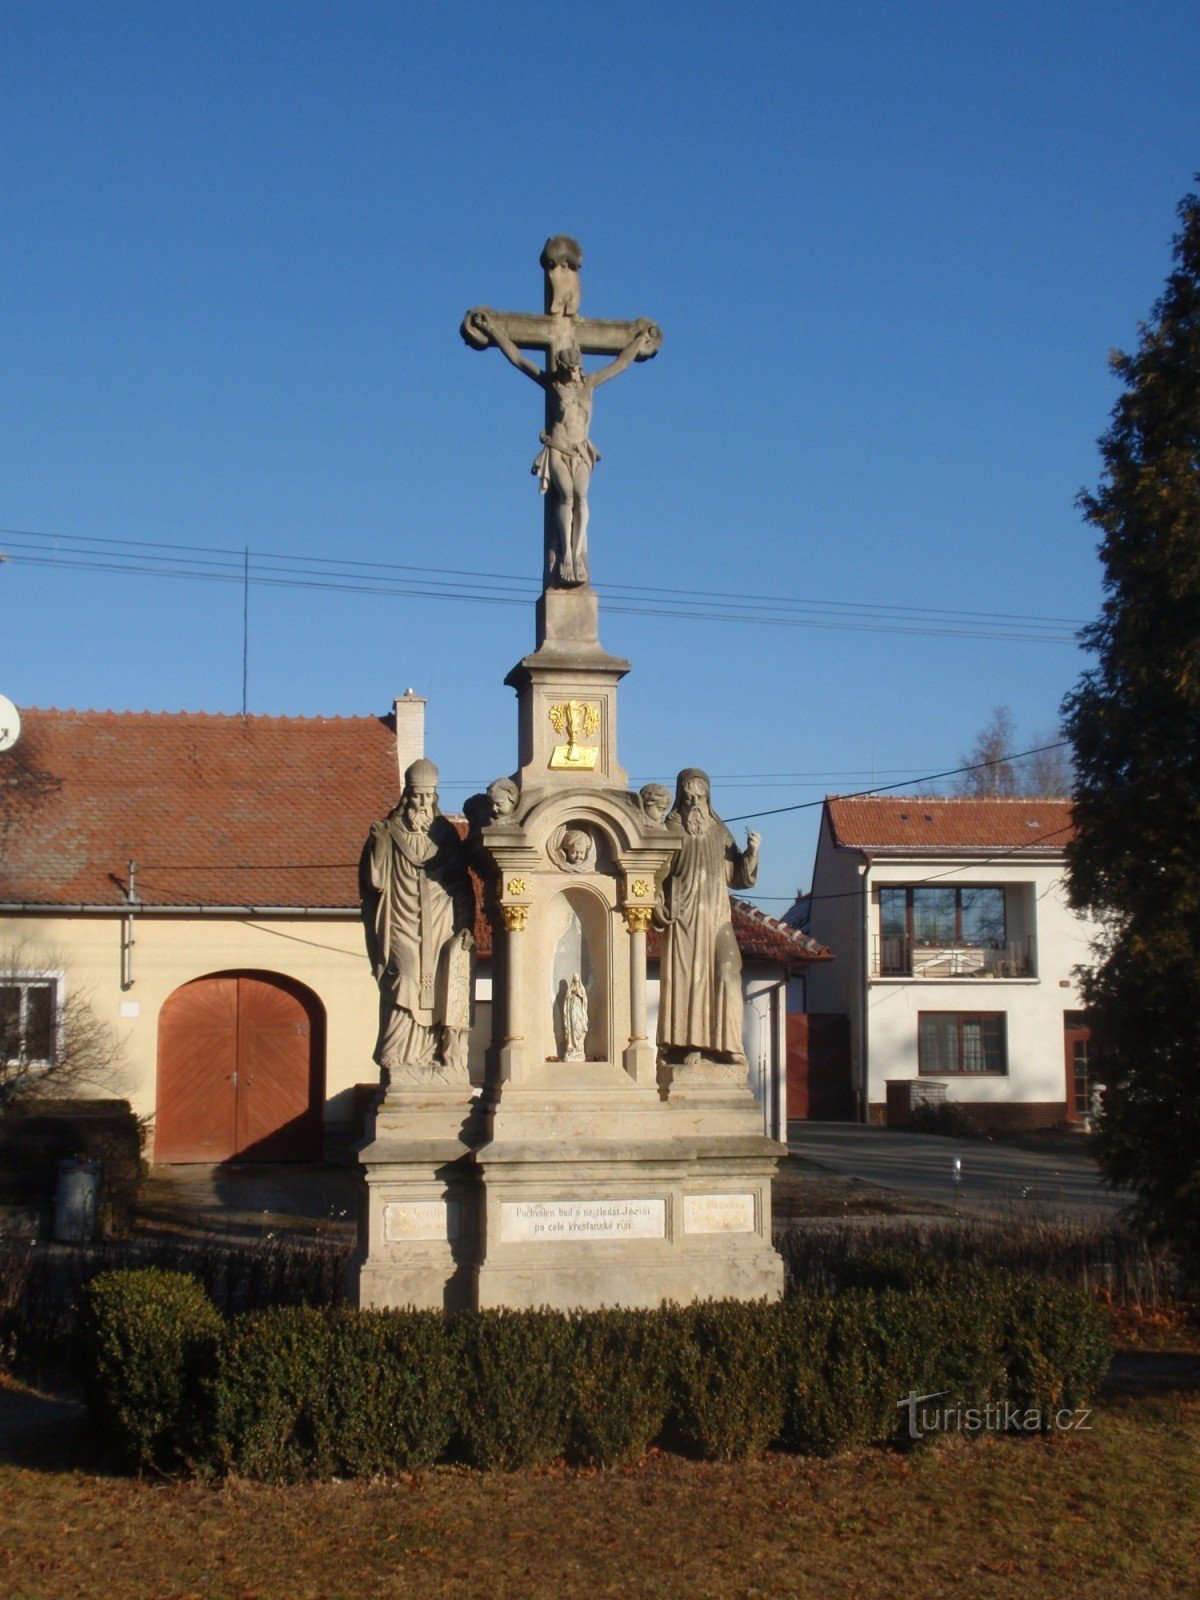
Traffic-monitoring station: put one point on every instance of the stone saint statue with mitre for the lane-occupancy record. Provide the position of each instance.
(419, 913)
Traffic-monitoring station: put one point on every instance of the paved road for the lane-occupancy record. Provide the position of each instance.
(996, 1178)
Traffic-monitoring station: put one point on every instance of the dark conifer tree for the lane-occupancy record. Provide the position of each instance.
(1134, 719)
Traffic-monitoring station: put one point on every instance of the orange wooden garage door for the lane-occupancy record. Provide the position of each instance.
(240, 1071)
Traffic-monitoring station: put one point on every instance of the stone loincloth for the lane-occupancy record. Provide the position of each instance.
(585, 451)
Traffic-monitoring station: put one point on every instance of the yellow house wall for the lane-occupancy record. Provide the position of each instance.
(326, 954)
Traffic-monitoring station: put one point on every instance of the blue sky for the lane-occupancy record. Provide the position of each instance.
(890, 247)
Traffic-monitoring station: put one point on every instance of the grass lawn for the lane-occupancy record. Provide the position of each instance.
(1111, 1512)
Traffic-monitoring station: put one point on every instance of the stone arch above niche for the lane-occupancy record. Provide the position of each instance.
(608, 817)
(578, 926)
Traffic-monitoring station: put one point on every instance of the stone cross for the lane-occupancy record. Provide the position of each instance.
(564, 464)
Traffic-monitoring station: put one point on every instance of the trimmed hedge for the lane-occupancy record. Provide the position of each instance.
(622, 1394)
(518, 1378)
(729, 1387)
(145, 1338)
(303, 1392)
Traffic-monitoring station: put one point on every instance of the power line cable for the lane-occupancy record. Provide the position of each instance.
(222, 564)
(882, 788)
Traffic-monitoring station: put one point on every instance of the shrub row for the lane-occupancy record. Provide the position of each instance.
(294, 1393)
(42, 1287)
(1112, 1259)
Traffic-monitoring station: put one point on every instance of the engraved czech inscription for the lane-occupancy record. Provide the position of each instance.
(420, 1219)
(522, 1221)
(718, 1213)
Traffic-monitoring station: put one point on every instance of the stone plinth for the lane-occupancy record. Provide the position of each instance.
(418, 1221)
(576, 1219)
(556, 686)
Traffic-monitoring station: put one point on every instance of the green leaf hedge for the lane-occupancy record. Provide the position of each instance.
(296, 1393)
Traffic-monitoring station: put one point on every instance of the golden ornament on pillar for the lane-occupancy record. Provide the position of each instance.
(578, 720)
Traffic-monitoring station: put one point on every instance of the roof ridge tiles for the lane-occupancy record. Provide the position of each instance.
(955, 799)
(128, 714)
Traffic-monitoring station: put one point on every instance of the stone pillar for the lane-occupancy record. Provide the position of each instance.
(512, 1053)
(639, 1054)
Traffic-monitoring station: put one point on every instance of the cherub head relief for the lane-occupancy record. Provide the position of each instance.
(503, 794)
(574, 850)
(656, 801)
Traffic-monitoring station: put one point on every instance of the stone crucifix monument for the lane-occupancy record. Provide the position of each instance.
(592, 1166)
(564, 464)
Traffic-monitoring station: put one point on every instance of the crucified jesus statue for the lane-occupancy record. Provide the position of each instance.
(564, 464)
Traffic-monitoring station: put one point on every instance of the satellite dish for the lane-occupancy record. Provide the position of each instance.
(10, 723)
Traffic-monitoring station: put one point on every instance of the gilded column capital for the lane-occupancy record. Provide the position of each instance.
(515, 918)
(637, 918)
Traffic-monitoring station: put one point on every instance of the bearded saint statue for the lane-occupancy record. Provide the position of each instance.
(419, 912)
(700, 998)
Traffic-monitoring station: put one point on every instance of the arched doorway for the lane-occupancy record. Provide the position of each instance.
(241, 1070)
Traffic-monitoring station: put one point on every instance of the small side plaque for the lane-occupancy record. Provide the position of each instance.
(718, 1213)
(420, 1219)
(539, 1220)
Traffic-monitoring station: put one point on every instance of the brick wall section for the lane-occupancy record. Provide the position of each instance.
(995, 1118)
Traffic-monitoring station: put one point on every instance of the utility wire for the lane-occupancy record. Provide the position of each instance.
(930, 777)
(214, 563)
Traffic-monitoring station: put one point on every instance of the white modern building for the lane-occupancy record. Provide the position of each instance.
(957, 956)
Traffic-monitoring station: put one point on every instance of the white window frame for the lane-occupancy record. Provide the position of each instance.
(28, 978)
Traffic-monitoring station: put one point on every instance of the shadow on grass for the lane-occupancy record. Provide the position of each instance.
(50, 1433)
(1153, 1371)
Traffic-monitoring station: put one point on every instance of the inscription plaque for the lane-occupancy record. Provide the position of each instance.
(420, 1219)
(540, 1220)
(718, 1213)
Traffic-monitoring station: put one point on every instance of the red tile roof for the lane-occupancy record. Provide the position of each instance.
(764, 938)
(909, 822)
(215, 810)
(220, 811)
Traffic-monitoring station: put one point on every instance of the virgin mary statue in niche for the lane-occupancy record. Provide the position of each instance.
(575, 1020)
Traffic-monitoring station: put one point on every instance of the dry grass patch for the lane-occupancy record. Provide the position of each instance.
(1113, 1511)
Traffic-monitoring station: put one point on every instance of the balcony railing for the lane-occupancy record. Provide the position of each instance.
(904, 958)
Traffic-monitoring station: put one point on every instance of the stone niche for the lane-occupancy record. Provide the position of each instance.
(576, 874)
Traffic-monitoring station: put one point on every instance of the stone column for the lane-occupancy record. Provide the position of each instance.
(639, 1057)
(516, 917)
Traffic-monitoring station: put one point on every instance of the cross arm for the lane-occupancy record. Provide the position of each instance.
(594, 336)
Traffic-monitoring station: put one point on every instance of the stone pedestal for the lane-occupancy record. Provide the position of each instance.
(567, 717)
(596, 1188)
(602, 1200)
(418, 1222)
